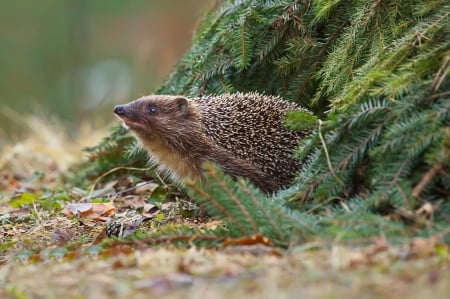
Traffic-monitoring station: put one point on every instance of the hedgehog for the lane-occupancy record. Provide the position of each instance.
(242, 133)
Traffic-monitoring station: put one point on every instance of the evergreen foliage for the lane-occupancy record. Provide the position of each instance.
(246, 211)
(244, 208)
(377, 75)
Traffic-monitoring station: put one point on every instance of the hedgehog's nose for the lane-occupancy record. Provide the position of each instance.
(119, 110)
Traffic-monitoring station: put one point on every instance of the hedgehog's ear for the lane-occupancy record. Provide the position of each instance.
(182, 105)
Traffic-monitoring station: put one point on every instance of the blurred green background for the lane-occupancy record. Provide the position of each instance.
(75, 59)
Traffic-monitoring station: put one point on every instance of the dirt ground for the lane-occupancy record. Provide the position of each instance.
(196, 273)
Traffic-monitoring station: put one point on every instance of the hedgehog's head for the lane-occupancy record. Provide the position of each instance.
(156, 116)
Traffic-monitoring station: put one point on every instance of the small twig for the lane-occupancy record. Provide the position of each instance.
(129, 189)
(161, 180)
(37, 213)
(440, 75)
(425, 180)
(438, 95)
(322, 140)
(109, 172)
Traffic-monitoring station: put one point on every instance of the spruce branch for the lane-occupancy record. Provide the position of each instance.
(219, 208)
(257, 203)
(213, 175)
(393, 181)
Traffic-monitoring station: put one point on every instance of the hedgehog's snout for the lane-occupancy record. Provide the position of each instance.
(119, 110)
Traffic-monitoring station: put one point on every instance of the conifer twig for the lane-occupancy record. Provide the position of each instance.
(258, 204)
(322, 140)
(440, 75)
(212, 173)
(109, 172)
(431, 173)
(217, 205)
(438, 96)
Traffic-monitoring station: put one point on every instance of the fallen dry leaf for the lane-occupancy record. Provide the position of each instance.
(423, 247)
(93, 211)
(145, 187)
(136, 202)
(77, 209)
(248, 240)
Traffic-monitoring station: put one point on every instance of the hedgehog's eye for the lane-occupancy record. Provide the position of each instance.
(152, 109)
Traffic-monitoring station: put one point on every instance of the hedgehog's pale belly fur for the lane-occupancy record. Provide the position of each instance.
(169, 163)
(242, 133)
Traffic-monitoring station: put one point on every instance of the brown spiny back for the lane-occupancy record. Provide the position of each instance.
(251, 126)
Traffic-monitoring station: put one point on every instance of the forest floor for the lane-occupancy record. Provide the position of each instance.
(53, 245)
